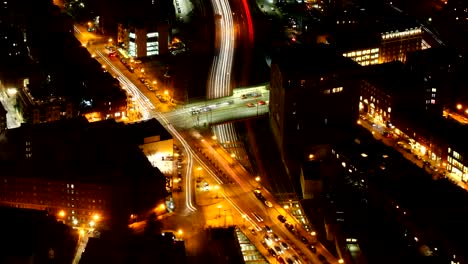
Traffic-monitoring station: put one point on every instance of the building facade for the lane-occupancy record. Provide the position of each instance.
(144, 41)
(308, 103)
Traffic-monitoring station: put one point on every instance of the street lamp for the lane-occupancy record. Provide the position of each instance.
(92, 223)
(340, 261)
(61, 213)
(96, 217)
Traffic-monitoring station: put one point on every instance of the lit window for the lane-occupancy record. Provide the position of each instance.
(434, 90)
(432, 101)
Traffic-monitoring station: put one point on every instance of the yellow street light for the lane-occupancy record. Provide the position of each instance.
(142, 70)
(81, 232)
(340, 261)
(286, 206)
(459, 106)
(61, 213)
(180, 232)
(110, 40)
(166, 92)
(214, 137)
(75, 221)
(162, 206)
(91, 223)
(233, 155)
(257, 179)
(311, 156)
(155, 82)
(313, 233)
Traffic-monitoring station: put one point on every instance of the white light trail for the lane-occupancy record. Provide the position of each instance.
(219, 83)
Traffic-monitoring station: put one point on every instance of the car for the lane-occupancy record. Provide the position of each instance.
(278, 249)
(290, 227)
(253, 232)
(280, 260)
(268, 203)
(313, 249)
(261, 103)
(272, 252)
(304, 240)
(275, 237)
(289, 261)
(284, 245)
(244, 96)
(281, 218)
(250, 104)
(268, 229)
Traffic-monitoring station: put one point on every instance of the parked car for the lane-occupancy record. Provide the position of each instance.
(281, 218)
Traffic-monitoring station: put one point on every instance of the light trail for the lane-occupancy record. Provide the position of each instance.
(219, 83)
(249, 20)
(149, 111)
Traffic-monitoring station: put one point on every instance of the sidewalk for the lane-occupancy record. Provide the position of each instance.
(422, 162)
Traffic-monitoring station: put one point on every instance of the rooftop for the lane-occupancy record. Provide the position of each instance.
(301, 61)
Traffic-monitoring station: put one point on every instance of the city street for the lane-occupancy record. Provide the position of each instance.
(236, 187)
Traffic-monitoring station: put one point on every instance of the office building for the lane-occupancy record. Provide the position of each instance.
(144, 40)
(313, 94)
(375, 35)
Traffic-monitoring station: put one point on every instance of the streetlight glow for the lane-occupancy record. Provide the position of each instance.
(96, 217)
(61, 213)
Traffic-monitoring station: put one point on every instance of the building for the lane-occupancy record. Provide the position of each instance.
(54, 76)
(87, 174)
(375, 35)
(30, 236)
(441, 71)
(385, 88)
(313, 93)
(146, 40)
